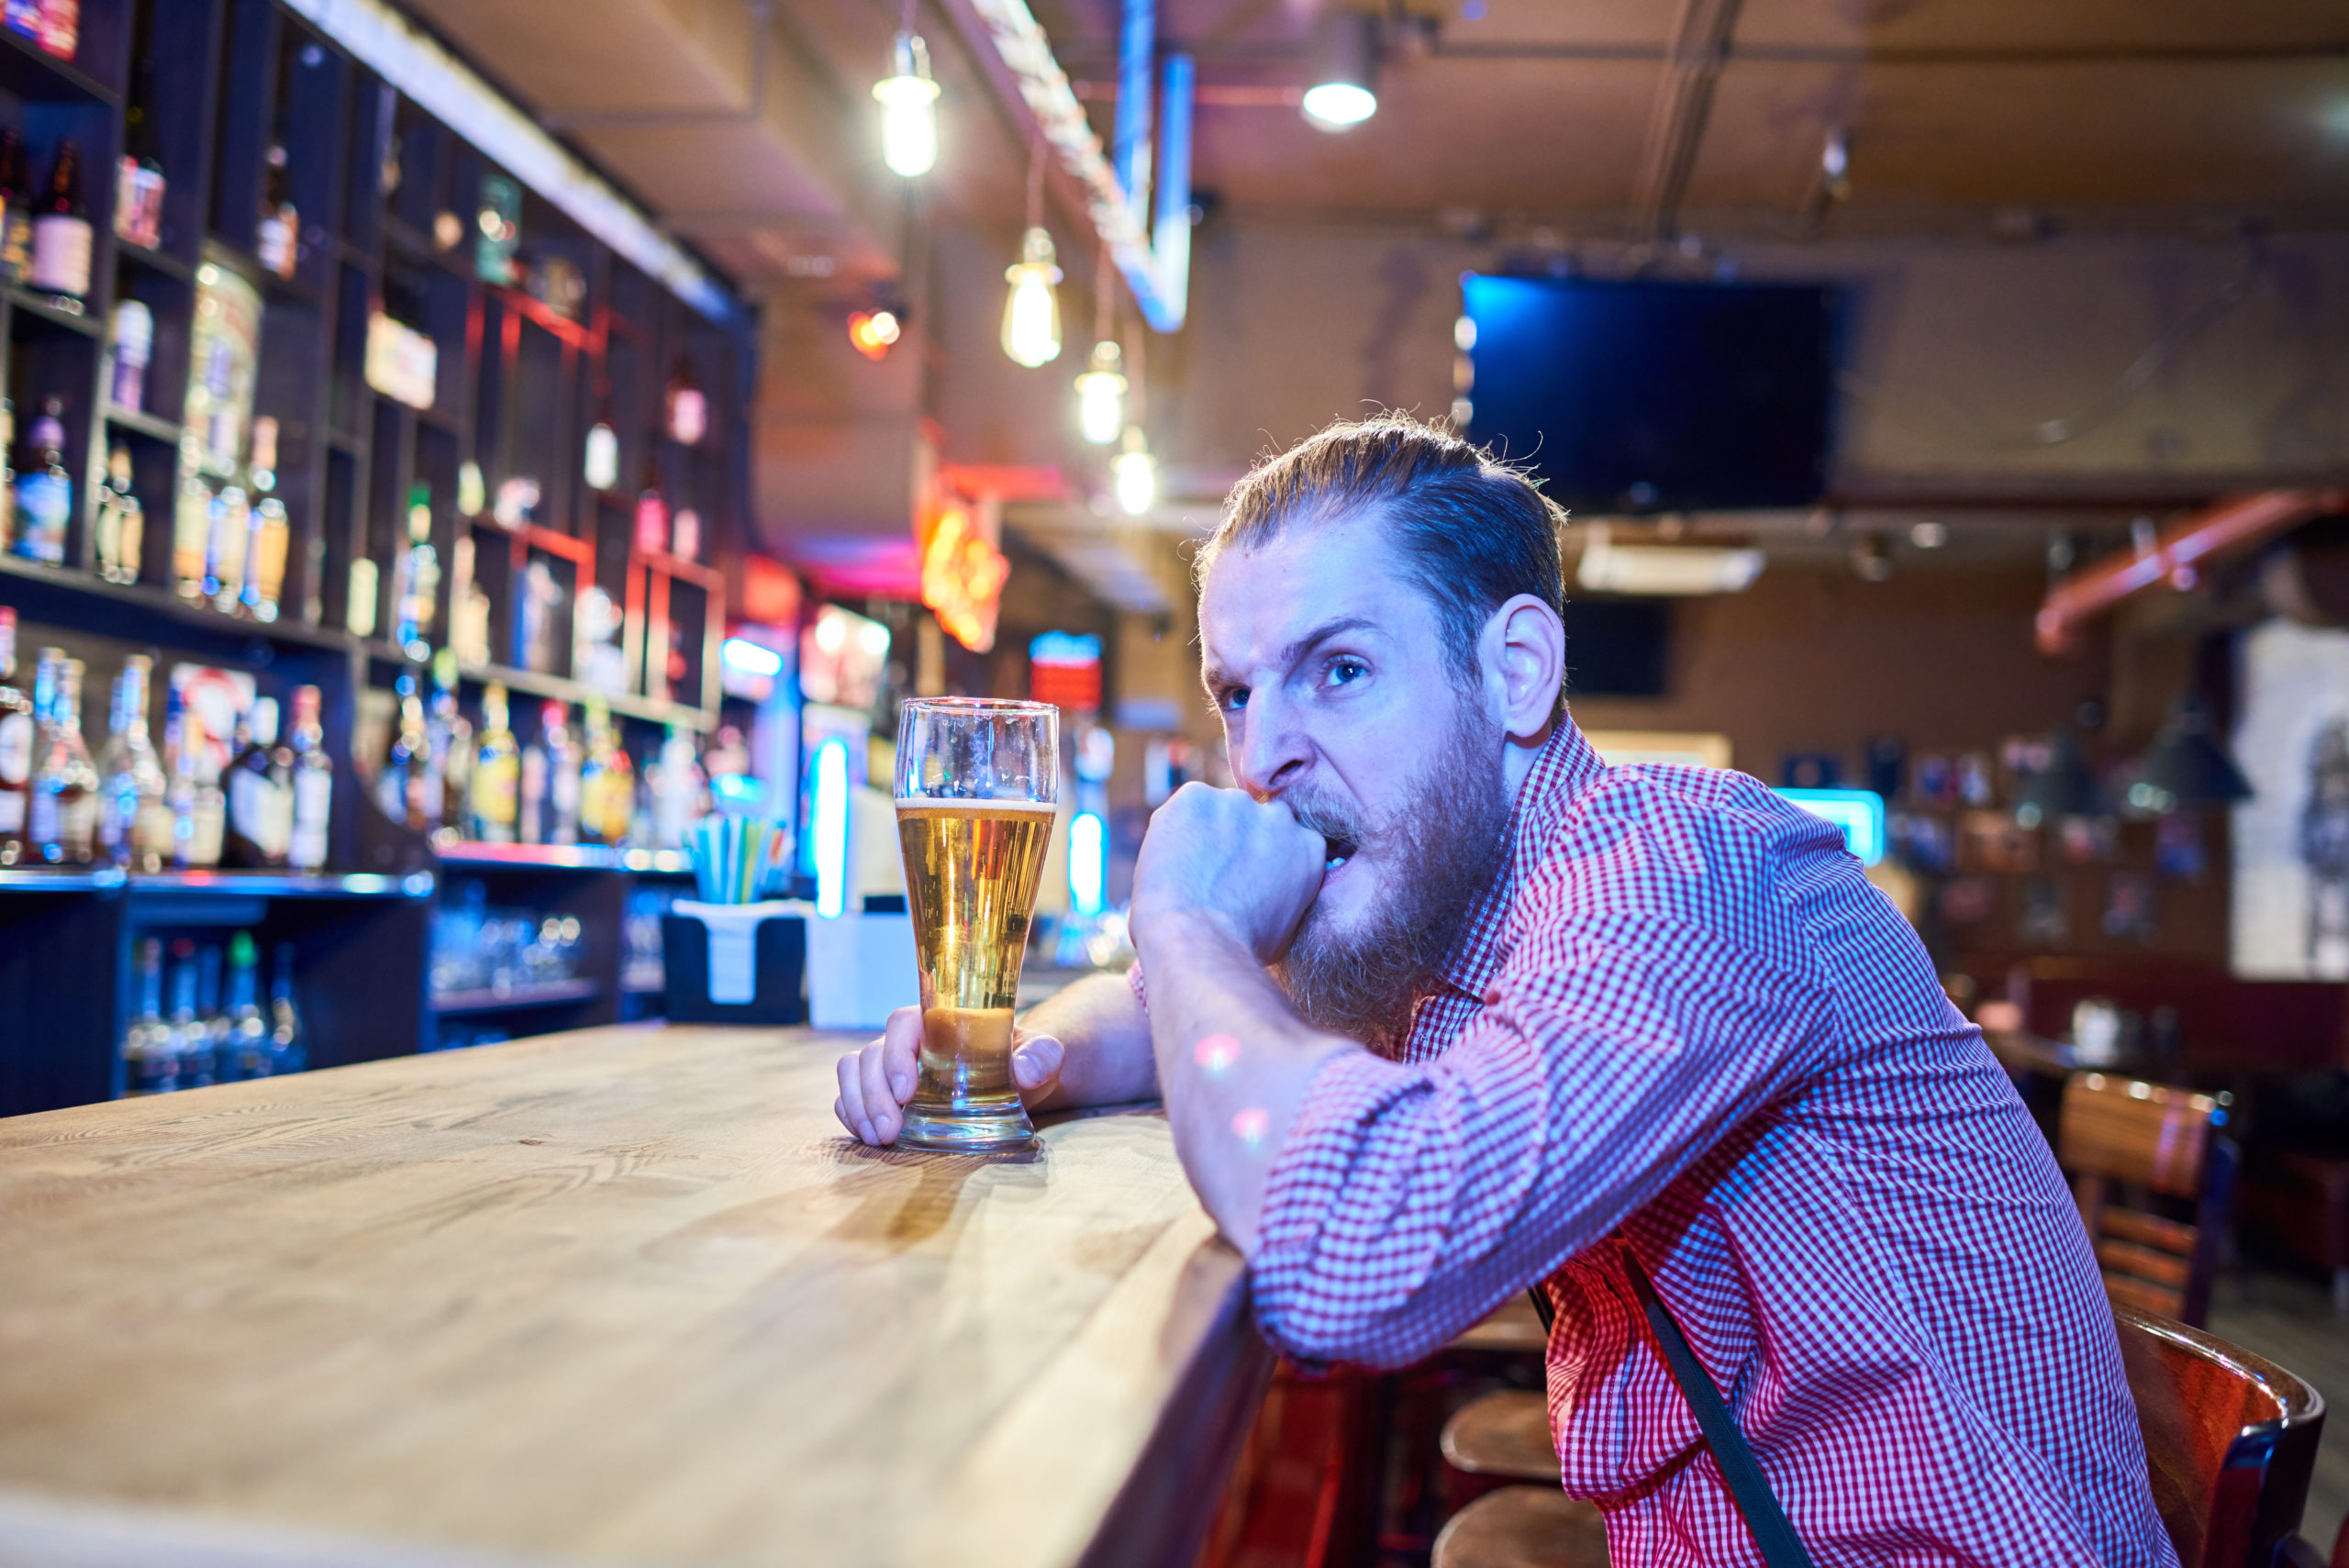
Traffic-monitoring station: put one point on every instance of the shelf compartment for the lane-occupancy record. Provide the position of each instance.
(555, 993)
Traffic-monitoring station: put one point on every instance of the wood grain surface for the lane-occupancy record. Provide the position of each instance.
(617, 1297)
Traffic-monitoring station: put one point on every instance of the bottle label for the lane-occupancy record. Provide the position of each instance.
(495, 790)
(263, 812)
(43, 828)
(62, 254)
(16, 748)
(12, 812)
(16, 243)
(154, 830)
(44, 509)
(391, 793)
(313, 792)
(77, 823)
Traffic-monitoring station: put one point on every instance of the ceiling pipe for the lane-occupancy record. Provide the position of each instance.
(2177, 556)
(1130, 141)
(1156, 264)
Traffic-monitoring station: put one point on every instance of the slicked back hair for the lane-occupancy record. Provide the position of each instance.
(1472, 532)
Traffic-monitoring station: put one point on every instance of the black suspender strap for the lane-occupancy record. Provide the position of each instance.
(1781, 1548)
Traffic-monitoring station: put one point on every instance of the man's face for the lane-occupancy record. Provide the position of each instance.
(1342, 697)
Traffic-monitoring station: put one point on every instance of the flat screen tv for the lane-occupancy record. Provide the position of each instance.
(1645, 396)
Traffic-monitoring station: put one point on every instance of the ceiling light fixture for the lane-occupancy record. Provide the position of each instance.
(908, 110)
(1031, 314)
(1101, 396)
(1609, 568)
(1342, 76)
(1133, 475)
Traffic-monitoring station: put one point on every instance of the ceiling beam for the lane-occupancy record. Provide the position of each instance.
(1676, 118)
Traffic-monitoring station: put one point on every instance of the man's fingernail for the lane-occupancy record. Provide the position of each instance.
(864, 1130)
(901, 1086)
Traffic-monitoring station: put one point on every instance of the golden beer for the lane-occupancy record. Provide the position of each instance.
(972, 869)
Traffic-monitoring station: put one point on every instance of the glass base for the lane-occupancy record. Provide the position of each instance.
(975, 1127)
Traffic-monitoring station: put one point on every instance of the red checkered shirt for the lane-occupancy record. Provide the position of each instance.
(1684, 1023)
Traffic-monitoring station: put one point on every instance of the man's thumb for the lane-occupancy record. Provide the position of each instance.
(1036, 1060)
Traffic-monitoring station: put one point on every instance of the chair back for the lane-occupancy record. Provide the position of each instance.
(2230, 1440)
(2120, 1138)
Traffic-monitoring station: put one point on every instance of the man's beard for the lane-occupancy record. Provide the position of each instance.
(1442, 846)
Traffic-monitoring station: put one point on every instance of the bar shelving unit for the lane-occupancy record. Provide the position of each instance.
(519, 381)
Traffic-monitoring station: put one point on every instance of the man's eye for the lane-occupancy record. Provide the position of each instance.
(1347, 670)
(1236, 697)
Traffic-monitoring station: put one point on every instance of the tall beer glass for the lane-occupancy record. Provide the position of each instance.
(976, 783)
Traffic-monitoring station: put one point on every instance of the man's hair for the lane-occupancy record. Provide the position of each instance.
(1473, 532)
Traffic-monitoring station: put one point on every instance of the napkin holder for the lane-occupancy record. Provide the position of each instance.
(735, 963)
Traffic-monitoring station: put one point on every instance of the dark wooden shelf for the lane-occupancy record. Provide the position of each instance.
(94, 593)
(561, 689)
(143, 424)
(154, 260)
(555, 993)
(30, 72)
(60, 879)
(57, 309)
(231, 884)
(470, 856)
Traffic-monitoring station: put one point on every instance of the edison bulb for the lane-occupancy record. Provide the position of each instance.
(1101, 397)
(1133, 476)
(908, 112)
(1032, 316)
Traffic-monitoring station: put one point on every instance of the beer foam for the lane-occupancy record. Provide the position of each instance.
(990, 808)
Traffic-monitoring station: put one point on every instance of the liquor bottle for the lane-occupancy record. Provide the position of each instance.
(199, 809)
(60, 28)
(120, 526)
(267, 533)
(685, 534)
(226, 526)
(497, 774)
(602, 467)
(606, 782)
(684, 411)
(61, 817)
(7, 471)
(563, 774)
(130, 343)
(677, 792)
(651, 514)
(313, 785)
(61, 237)
(139, 184)
(399, 789)
(260, 793)
(135, 822)
(245, 1053)
(538, 605)
(531, 795)
(211, 1022)
(276, 244)
(15, 208)
(149, 1065)
(415, 578)
(453, 754)
(45, 491)
(289, 1034)
(190, 1038)
(16, 735)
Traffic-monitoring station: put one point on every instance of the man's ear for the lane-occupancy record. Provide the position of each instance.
(1523, 655)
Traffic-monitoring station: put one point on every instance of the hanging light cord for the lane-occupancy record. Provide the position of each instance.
(1036, 183)
(1105, 298)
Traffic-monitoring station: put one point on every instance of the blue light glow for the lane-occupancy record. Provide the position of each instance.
(1858, 812)
(829, 827)
(750, 657)
(1088, 863)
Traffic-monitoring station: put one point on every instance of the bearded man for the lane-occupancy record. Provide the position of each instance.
(1443, 1007)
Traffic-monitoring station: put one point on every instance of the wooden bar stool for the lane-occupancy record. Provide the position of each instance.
(1523, 1527)
(1504, 1435)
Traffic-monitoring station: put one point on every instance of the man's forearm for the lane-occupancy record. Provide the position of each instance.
(1105, 1036)
(1234, 1062)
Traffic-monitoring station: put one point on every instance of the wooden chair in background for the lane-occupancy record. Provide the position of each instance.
(2230, 1442)
(2122, 1140)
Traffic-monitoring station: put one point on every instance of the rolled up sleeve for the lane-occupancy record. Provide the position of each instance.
(1614, 1051)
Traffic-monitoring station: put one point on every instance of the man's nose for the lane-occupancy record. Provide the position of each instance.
(1273, 753)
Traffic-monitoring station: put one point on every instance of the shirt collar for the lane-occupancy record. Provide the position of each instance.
(1561, 769)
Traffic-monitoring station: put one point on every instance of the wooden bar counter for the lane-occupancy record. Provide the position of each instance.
(623, 1296)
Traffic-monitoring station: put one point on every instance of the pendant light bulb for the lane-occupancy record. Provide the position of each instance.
(1032, 316)
(909, 111)
(1341, 70)
(1133, 475)
(1101, 396)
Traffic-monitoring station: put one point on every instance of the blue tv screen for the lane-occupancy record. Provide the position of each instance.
(1644, 397)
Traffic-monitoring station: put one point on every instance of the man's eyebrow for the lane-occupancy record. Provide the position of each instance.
(1215, 675)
